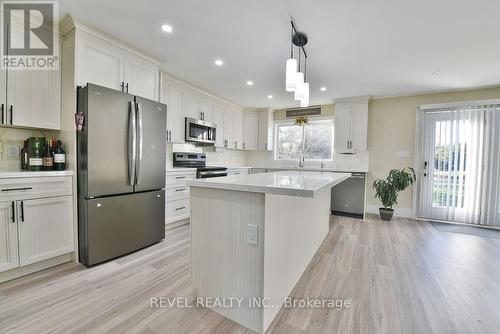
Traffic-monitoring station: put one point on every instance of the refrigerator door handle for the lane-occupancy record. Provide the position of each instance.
(140, 136)
(132, 143)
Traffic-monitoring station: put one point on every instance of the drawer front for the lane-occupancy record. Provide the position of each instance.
(176, 193)
(177, 179)
(176, 210)
(35, 187)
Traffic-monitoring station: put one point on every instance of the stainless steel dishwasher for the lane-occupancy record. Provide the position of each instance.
(348, 197)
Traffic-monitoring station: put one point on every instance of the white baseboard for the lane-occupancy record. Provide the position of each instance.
(34, 267)
(398, 212)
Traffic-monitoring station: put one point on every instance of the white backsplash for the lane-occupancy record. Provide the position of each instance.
(235, 158)
(16, 137)
(266, 159)
(215, 157)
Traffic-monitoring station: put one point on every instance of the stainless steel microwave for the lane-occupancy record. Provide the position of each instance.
(200, 132)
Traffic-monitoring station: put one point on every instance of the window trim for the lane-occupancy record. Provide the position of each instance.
(291, 121)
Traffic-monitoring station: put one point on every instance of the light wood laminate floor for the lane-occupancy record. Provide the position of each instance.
(402, 276)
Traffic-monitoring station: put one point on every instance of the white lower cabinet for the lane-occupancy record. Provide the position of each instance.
(177, 206)
(34, 229)
(44, 228)
(9, 257)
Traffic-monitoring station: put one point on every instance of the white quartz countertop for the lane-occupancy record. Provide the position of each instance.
(7, 174)
(291, 183)
(318, 169)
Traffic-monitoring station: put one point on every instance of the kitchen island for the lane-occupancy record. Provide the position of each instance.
(252, 237)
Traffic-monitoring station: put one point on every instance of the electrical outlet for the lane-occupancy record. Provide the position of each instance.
(12, 150)
(252, 234)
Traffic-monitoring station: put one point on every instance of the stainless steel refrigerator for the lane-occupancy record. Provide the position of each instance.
(121, 173)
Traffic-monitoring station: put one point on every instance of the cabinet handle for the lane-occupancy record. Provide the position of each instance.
(235, 144)
(244, 145)
(22, 210)
(3, 116)
(126, 86)
(180, 208)
(11, 113)
(15, 189)
(13, 212)
(176, 190)
(180, 177)
(122, 85)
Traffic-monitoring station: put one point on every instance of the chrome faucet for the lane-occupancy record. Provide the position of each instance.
(301, 161)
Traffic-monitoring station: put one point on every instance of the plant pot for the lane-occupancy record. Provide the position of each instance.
(386, 214)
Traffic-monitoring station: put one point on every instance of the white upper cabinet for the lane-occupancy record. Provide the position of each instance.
(9, 257)
(229, 139)
(238, 128)
(207, 108)
(265, 136)
(351, 124)
(218, 120)
(233, 128)
(251, 130)
(34, 99)
(29, 98)
(141, 77)
(3, 96)
(192, 104)
(173, 96)
(98, 62)
(105, 64)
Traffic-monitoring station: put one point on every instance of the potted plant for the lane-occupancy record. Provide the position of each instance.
(387, 190)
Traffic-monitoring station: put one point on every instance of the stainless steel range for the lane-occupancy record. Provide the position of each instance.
(198, 161)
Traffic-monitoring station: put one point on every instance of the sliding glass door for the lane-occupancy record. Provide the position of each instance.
(452, 147)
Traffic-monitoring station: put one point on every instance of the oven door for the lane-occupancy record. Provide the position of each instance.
(211, 173)
(200, 132)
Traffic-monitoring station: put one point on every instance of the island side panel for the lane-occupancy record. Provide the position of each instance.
(295, 228)
(224, 264)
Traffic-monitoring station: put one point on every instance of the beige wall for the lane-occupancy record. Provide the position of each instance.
(391, 128)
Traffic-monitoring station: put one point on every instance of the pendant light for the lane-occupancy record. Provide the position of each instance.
(296, 81)
(291, 71)
(299, 84)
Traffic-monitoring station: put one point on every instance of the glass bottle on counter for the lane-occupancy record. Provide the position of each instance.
(48, 160)
(59, 157)
(35, 155)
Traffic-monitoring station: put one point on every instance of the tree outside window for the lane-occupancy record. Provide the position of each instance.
(315, 142)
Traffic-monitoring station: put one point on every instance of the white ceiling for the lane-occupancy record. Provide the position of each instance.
(356, 47)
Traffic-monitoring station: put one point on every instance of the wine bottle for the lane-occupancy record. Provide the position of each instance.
(59, 157)
(48, 160)
(35, 154)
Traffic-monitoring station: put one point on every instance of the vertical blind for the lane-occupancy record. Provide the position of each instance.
(490, 208)
(462, 147)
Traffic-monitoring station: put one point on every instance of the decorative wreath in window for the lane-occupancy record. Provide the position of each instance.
(301, 121)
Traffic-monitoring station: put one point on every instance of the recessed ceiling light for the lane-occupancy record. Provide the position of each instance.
(249, 83)
(219, 62)
(269, 96)
(436, 73)
(322, 89)
(166, 28)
